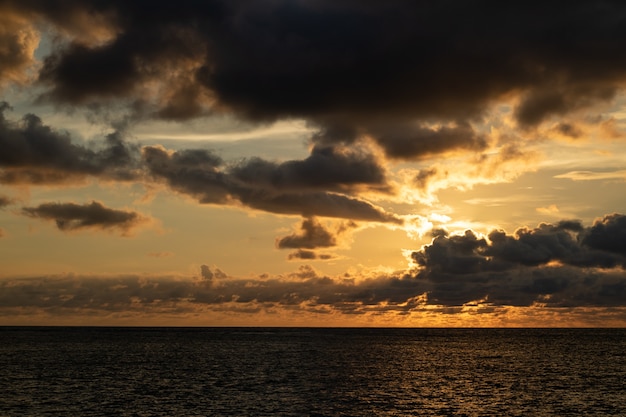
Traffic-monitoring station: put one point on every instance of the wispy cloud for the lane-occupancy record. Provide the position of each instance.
(593, 175)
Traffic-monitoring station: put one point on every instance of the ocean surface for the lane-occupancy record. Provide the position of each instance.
(95, 371)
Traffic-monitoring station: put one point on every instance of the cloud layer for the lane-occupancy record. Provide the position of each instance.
(387, 71)
(565, 265)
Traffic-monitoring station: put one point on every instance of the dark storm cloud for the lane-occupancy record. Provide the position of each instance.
(407, 141)
(561, 262)
(34, 153)
(567, 242)
(327, 167)
(608, 234)
(347, 67)
(205, 177)
(71, 216)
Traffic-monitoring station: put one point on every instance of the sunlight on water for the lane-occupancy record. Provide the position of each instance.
(311, 372)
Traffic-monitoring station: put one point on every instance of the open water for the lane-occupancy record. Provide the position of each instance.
(311, 372)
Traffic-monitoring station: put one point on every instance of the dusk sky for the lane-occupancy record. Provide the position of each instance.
(312, 163)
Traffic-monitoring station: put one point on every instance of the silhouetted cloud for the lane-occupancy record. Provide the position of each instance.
(208, 274)
(304, 289)
(313, 235)
(561, 264)
(408, 141)
(34, 153)
(378, 81)
(72, 216)
(351, 68)
(309, 255)
(307, 290)
(37, 154)
(567, 242)
(608, 234)
(204, 177)
(327, 167)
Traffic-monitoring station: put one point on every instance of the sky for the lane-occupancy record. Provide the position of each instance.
(313, 163)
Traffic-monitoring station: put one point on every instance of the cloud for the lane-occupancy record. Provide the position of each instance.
(201, 174)
(314, 235)
(309, 255)
(561, 264)
(593, 176)
(408, 141)
(34, 153)
(208, 274)
(18, 41)
(37, 154)
(567, 242)
(307, 291)
(608, 234)
(349, 69)
(5, 201)
(498, 164)
(304, 289)
(327, 167)
(568, 129)
(537, 105)
(71, 216)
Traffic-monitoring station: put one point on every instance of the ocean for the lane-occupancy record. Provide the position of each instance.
(96, 371)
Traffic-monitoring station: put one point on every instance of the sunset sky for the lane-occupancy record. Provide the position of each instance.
(312, 163)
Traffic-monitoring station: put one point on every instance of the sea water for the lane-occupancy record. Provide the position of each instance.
(71, 371)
